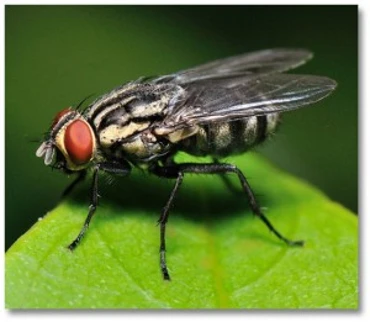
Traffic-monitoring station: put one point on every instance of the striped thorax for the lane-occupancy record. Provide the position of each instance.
(124, 120)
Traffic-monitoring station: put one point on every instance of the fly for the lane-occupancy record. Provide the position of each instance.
(221, 108)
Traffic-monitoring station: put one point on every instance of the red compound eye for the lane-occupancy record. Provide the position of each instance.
(59, 116)
(78, 142)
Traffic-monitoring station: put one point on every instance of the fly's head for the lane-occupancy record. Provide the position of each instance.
(70, 141)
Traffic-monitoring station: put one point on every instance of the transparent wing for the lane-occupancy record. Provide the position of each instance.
(259, 62)
(240, 97)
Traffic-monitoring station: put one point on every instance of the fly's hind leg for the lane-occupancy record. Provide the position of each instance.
(226, 180)
(223, 168)
(177, 171)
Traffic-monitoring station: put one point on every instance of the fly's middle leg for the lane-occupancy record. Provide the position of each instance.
(162, 222)
(166, 172)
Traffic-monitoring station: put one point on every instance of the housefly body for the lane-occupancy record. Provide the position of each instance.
(217, 109)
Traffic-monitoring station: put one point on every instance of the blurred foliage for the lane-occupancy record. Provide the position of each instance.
(57, 55)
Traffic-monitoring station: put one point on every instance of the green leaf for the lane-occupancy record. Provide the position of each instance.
(219, 255)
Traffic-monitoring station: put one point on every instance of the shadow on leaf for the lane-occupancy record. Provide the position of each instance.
(201, 198)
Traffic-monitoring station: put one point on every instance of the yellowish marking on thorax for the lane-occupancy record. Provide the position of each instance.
(114, 132)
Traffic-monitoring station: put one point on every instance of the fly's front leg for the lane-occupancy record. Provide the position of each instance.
(92, 208)
(114, 167)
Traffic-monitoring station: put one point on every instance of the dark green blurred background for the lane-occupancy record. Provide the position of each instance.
(57, 55)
